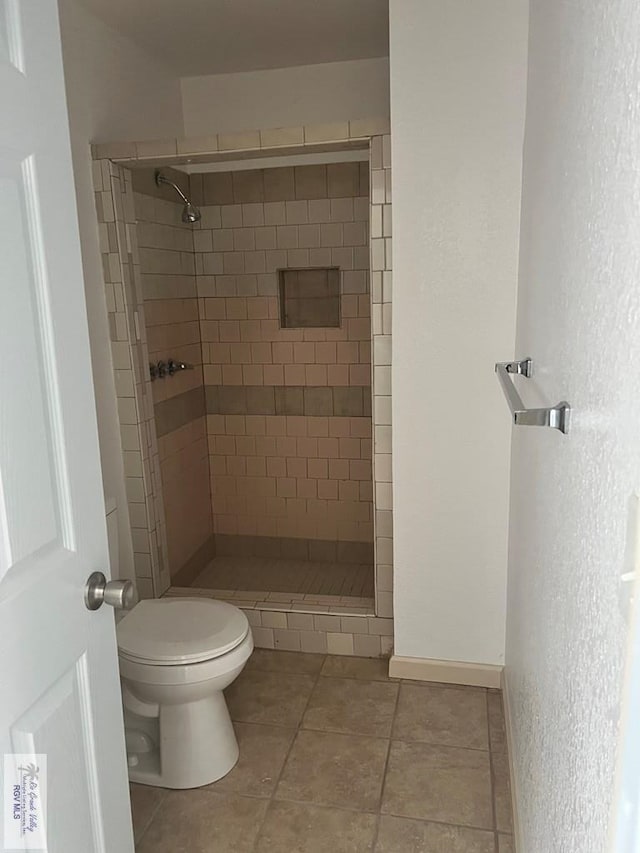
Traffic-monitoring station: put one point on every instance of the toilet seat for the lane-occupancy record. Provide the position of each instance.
(174, 631)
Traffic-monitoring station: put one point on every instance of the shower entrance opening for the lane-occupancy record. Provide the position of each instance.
(256, 308)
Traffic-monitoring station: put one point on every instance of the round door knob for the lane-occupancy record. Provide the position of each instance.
(119, 594)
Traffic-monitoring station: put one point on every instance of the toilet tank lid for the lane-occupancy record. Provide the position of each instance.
(181, 630)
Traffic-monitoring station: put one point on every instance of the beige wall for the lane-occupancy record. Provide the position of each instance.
(458, 74)
(113, 91)
(286, 97)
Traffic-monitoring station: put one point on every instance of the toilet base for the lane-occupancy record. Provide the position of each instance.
(189, 745)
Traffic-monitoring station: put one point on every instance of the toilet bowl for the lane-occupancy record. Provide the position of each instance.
(176, 656)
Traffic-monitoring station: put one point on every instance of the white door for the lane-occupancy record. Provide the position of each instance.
(59, 687)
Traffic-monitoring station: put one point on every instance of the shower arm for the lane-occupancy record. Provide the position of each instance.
(160, 179)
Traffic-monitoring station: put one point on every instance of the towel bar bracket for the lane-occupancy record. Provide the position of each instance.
(521, 368)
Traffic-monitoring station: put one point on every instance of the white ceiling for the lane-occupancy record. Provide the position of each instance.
(221, 36)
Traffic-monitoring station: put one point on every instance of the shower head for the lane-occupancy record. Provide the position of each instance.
(190, 212)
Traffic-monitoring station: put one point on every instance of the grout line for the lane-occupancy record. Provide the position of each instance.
(154, 812)
(286, 758)
(441, 744)
(439, 822)
(386, 767)
(376, 832)
(343, 808)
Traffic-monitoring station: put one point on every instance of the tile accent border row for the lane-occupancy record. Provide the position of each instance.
(298, 401)
(322, 401)
(175, 412)
(276, 547)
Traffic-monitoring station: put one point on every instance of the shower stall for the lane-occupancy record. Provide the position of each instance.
(249, 304)
(256, 307)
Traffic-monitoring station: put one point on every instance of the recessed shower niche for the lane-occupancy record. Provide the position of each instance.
(309, 298)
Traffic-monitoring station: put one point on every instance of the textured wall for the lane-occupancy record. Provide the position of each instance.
(579, 318)
(457, 106)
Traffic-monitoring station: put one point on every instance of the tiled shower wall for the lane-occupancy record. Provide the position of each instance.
(381, 296)
(168, 281)
(339, 637)
(289, 410)
(125, 312)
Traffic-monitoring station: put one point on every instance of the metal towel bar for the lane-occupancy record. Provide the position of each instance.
(556, 417)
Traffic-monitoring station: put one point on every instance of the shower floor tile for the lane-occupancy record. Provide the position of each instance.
(297, 576)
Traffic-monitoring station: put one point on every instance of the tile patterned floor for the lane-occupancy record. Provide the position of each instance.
(335, 757)
(271, 575)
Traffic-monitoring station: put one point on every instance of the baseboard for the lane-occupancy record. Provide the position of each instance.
(517, 836)
(445, 671)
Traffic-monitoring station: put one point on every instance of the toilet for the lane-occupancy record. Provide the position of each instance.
(177, 655)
